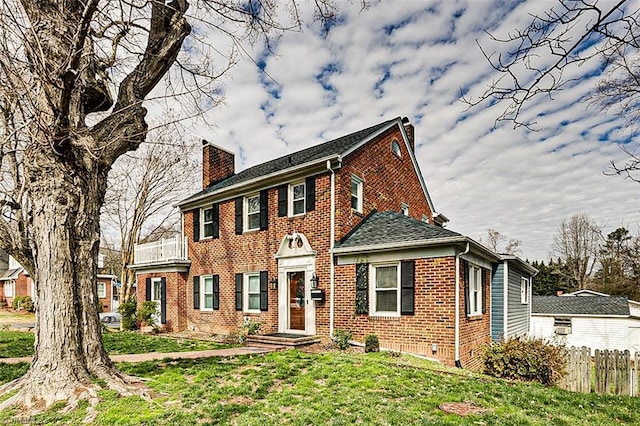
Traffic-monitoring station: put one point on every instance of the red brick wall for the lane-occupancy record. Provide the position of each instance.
(432, 323)
(22, 288)
(176, 297)
(105, 302)
(217, 164)
(388, 181)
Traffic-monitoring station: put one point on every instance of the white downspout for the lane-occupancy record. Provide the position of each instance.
(457, 317)
(331, 246)
(505, 298)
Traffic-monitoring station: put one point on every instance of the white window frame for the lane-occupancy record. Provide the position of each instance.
(404, 209)
(291, 200)
(203, 292)
(524, 291)
(246, 212)
(204, 223)
(102, 294)
(475, 290)
(358, 195)
(246, 293)
(373, 291)
(10, 288)
(395, 148)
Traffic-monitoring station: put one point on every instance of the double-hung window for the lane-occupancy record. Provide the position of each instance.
(252, 212)
(524, 291)
(252, 292)
(207, 223)
(385, 291)
(475, 290)
(208, 293)
(356, 193)
(102, 290)
(297, 199)
(10, 288)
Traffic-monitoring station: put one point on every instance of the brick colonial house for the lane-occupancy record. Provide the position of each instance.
(15, 281)
(342, 235)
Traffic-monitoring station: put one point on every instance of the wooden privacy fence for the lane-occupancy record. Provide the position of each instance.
(610, 372)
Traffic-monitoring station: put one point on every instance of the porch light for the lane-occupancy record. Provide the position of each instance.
(273, 283)
(314, 281)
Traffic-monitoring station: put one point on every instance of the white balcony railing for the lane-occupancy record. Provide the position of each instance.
(164, 250)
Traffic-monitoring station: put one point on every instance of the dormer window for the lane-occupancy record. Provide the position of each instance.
(395, 148)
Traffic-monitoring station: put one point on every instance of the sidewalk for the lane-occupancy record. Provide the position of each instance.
(154, 356)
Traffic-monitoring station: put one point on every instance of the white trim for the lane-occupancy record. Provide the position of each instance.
(10, 285)
(245, 292)
(476, 292)
(524, 290)
(505, 308)
(290, 199)
(373, 290)
(103, 294)
(359, 195)
(245, 212)
(203, 278)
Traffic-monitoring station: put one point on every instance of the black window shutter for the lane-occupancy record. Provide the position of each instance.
(467, 293)
(264, 209)
(310, 193)
(216, 292)
(216, 220)
(147, 289)
(238, 292)
(196, 292)
(196, 224)
(283, 192)
(239, 216)
(264, 294)
(485, 274)
(407, 284)
(163, 300)
(362, 288)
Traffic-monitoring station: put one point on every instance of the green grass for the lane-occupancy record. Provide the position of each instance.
(295, 388)
(14, 344)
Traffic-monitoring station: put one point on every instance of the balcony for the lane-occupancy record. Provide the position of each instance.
(166, 252)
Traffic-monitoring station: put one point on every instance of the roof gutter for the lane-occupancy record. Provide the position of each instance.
(193, 201)
(457, 307)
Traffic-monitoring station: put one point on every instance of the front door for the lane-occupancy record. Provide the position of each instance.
(297, 300)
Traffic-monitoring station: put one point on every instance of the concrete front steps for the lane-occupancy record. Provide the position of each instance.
(282, 339)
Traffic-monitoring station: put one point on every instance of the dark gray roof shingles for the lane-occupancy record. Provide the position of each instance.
(333, 147)
(580, 305)
(392, 227)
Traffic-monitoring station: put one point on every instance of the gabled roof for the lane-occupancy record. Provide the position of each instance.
(314, 155)
(10, 274)
(393, 230)
(575, 305)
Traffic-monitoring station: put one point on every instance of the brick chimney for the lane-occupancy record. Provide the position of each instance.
(410, 130)
(217, 164)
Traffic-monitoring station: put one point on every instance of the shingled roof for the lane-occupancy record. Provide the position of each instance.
(331, 148)
(390, 228)
(580, 305)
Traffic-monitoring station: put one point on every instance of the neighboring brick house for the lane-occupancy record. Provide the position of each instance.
(342, 235)
(15, 281)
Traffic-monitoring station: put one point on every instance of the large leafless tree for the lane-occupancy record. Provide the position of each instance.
(577, 244)
(74, 77)
(143, 186)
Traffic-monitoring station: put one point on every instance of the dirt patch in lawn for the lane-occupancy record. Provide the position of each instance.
(461, 408)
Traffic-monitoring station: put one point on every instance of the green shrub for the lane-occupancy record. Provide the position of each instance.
(525, 359)
(342, 338)
(147, 312)
(371, 343)
(249, 328)
(128, 312)
(23, 302)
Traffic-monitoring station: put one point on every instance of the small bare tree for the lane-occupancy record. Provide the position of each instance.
(577, 243)
(143, 186)
(495, 241)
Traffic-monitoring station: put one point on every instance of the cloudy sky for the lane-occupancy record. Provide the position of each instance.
(411, 58)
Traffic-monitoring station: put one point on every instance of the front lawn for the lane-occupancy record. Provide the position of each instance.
(14, 344)
(336, 388)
